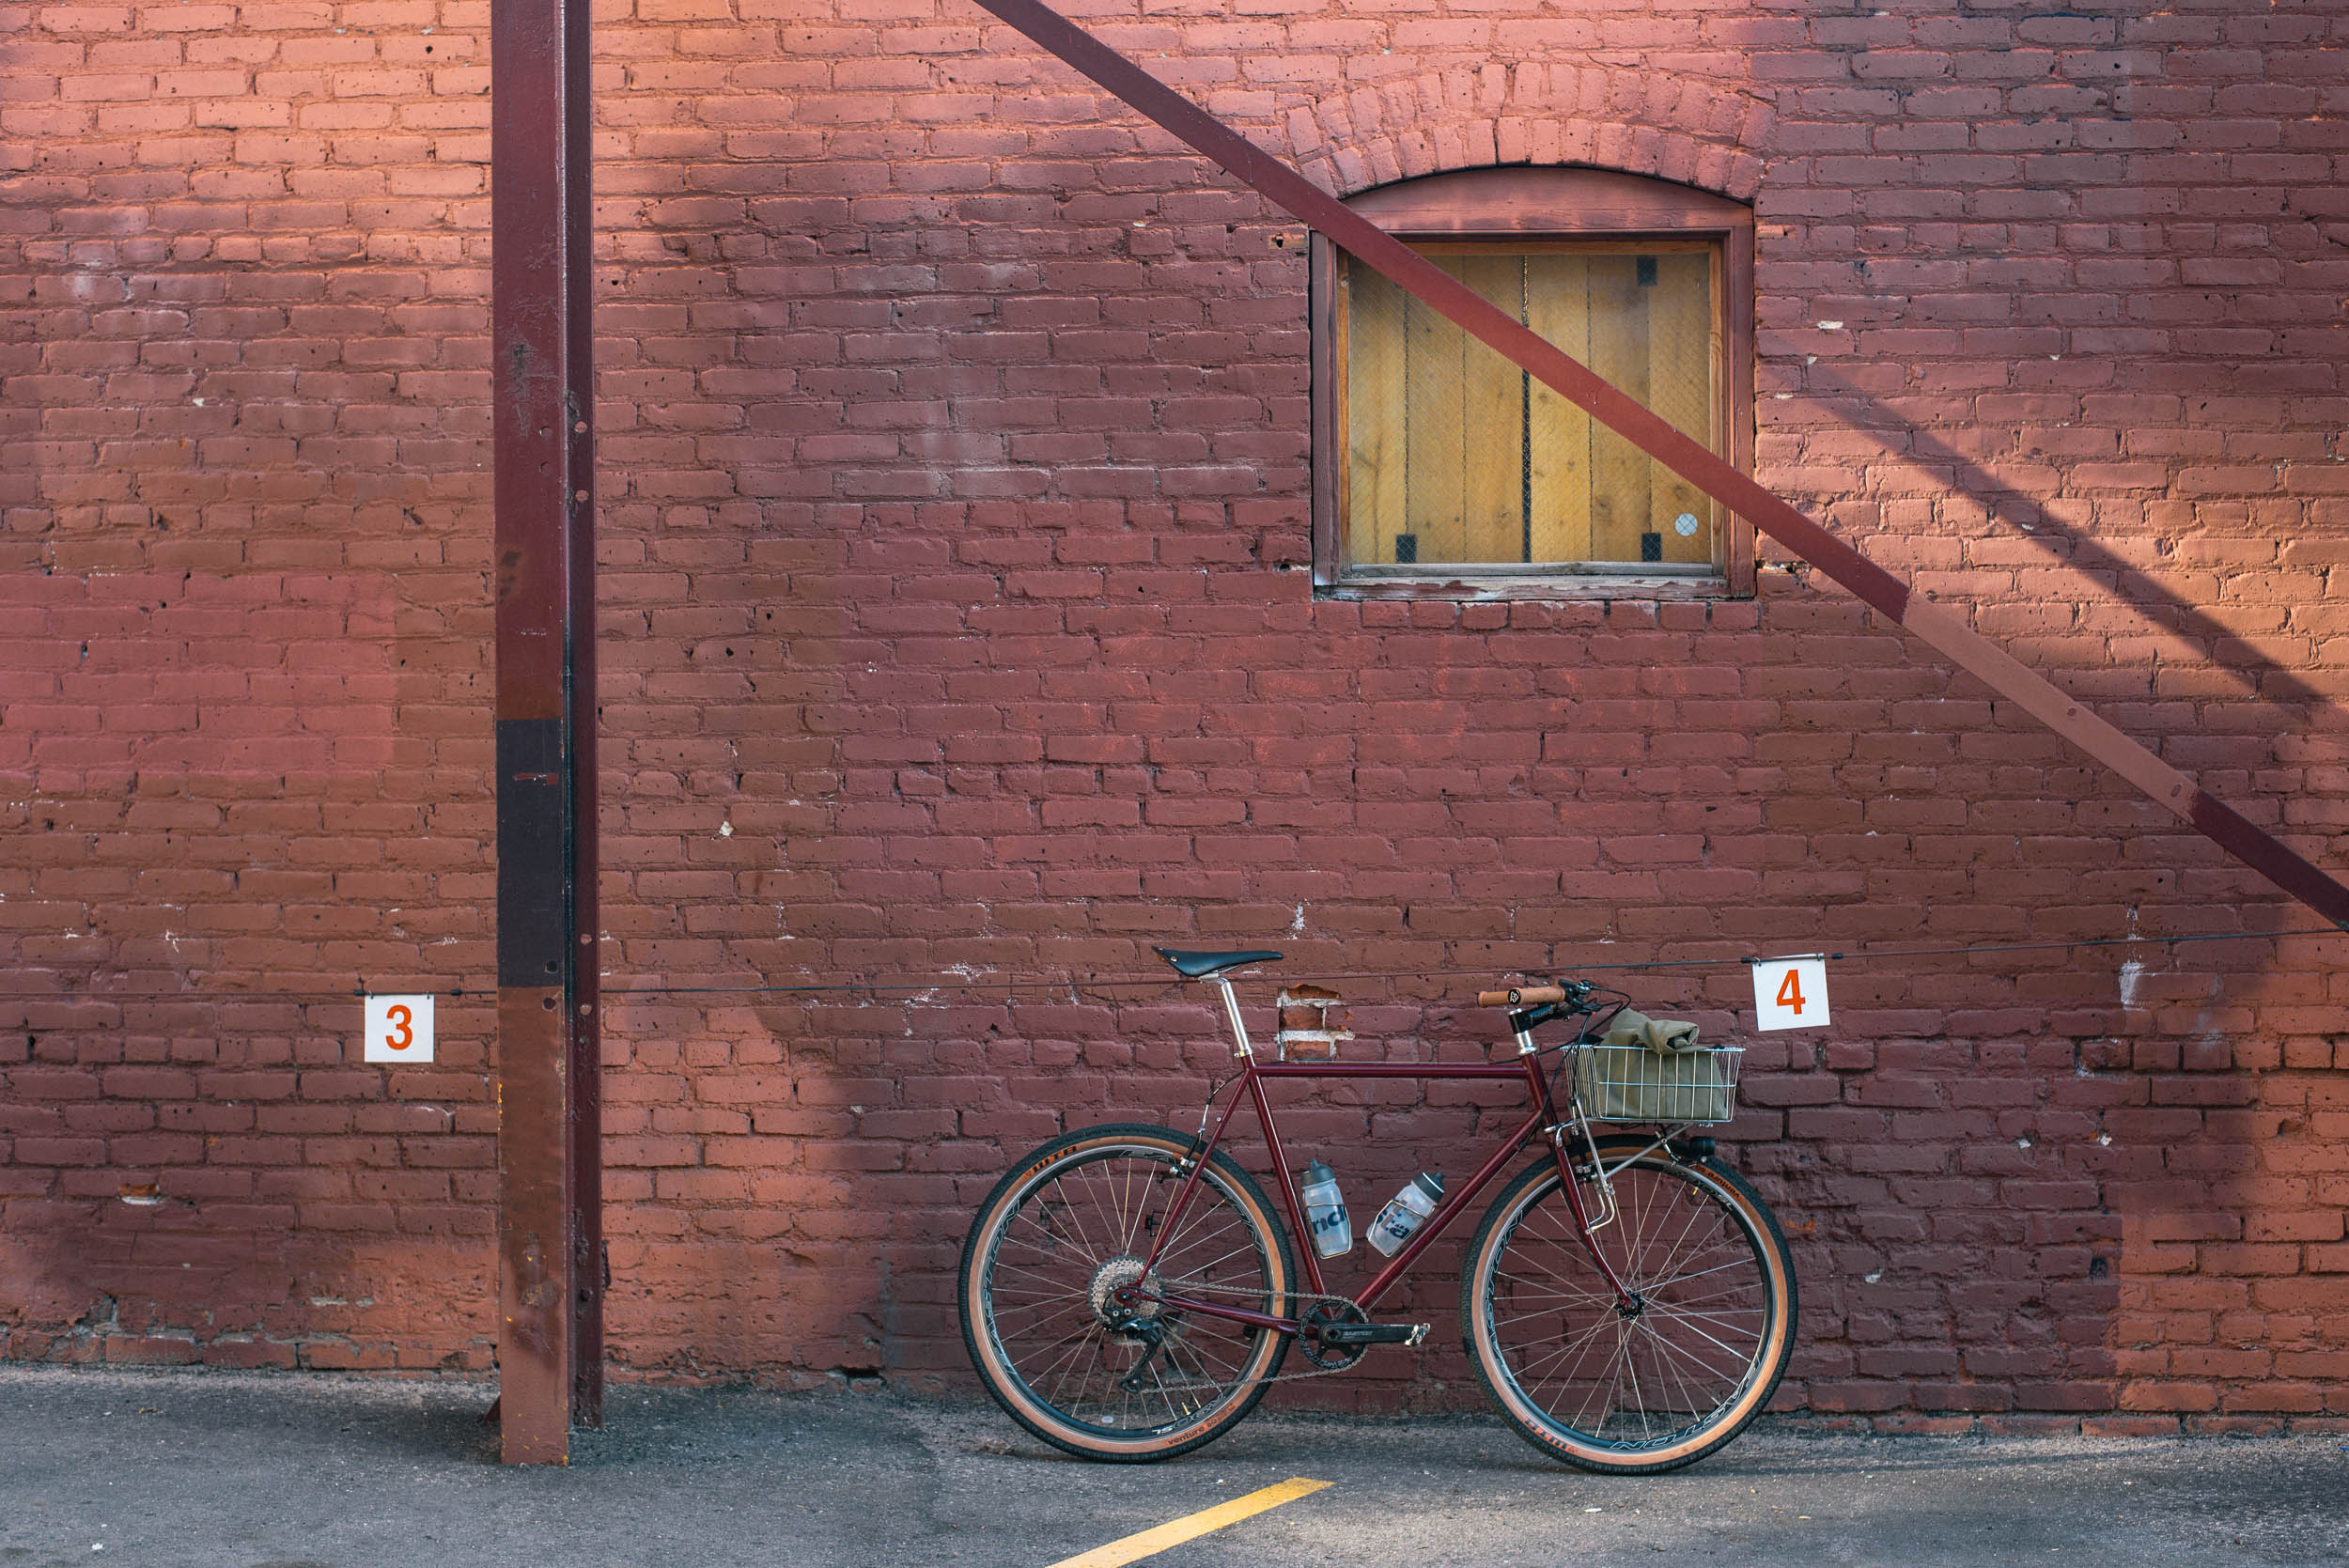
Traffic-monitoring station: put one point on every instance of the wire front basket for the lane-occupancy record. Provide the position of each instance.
(1632, 1084)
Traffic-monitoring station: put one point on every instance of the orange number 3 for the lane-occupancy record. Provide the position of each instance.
(402, 1036)
(1789, 992)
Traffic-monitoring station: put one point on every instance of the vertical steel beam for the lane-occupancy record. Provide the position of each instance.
(549, 1266)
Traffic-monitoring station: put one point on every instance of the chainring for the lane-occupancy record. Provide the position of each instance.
(1330, 1357)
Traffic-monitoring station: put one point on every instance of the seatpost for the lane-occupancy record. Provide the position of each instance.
(1231, 1010)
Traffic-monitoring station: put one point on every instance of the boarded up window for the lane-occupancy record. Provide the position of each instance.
(1454, 457)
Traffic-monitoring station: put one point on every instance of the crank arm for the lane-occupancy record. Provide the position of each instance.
(1372, 1333)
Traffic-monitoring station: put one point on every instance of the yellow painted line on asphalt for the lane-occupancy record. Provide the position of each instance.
(1133, 1548)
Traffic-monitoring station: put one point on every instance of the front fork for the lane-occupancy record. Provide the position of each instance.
(1628, 1302)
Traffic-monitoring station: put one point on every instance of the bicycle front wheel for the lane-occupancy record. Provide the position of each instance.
(1062, 1234)
(1655, 1384)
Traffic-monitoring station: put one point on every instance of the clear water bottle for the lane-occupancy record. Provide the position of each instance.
(1325, 1212)
(1406, 1211)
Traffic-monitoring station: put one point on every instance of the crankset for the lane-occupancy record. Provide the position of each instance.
(1332, 1335)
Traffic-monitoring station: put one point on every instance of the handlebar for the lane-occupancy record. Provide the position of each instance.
(1522, 996)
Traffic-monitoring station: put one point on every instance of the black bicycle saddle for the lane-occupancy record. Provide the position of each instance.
(1194, 966)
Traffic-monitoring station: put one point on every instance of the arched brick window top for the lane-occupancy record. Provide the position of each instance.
(1441, 469)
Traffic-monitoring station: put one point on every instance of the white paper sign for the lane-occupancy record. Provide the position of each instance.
(1791, 993)
(399, 1029)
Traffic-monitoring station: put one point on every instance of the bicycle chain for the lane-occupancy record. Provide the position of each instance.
(1301, 1301)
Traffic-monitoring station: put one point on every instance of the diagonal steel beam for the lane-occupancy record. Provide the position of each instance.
(1278, 183)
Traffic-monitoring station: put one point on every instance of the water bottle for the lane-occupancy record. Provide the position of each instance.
(1325, 1212)
(1405, 1212)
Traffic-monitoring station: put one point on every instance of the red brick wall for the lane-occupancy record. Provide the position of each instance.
(955, 445)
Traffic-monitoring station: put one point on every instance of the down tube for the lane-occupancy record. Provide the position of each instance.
(1442, 1219)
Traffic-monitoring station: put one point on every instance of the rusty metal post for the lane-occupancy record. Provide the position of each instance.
(550, 1224)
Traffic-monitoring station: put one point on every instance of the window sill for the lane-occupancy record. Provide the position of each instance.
(1485, 586)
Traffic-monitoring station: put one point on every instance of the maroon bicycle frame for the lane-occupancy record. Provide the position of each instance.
(1542, 1119)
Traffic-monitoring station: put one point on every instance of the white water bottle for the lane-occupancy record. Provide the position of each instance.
(1406, 1211)
(1325, 1212)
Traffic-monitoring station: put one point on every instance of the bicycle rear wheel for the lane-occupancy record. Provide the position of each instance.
(1061, 1234)
(1670, 1379)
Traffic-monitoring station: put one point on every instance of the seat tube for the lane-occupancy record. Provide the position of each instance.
(1308, 1258)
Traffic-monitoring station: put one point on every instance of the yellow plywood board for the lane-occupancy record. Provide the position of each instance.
(1618, 353)
(1374, 417)
(1449, 445)
(1436, 438)
(1492, 499)
(1680, 389)
(1558, 307)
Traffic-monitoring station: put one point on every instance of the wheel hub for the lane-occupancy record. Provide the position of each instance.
(1118, 1275)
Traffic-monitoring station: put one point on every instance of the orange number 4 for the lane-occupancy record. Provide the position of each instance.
(1789, 991)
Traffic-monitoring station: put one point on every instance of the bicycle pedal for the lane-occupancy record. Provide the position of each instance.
(1374, 1333)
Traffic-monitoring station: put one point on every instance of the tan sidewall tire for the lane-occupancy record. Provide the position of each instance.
(1011, 1392)
(1536, 1425)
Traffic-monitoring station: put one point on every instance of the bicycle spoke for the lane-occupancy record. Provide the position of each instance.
(1679, 1245)
(1039, 1221)
(1194, 1214)
(1694, 1320)
(1692, 1403)
(1093, 1252)
(1582, 1342)
(1666, 1347)
(1201, 1271)
(1629, 1368)
(1569, 1346)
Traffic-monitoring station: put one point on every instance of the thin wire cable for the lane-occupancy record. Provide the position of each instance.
(1072, 985)
(1112, 982)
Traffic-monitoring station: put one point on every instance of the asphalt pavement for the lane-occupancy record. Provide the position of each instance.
(245, 1470)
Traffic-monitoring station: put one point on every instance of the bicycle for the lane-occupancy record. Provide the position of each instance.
(1127, 1293)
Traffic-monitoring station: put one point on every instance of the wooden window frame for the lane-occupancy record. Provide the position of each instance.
(1525, 204)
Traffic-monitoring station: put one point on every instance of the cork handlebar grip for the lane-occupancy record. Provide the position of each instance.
(1522, 996)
